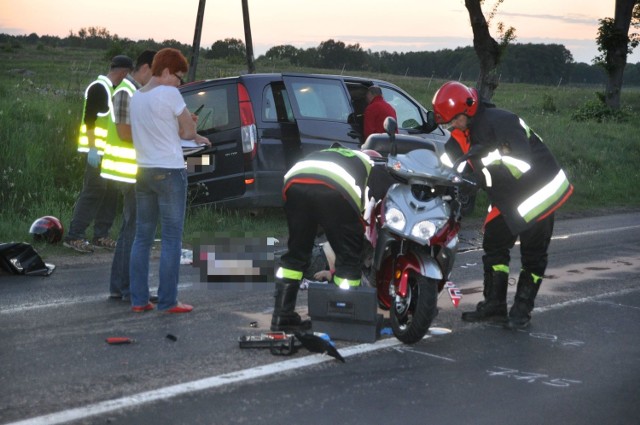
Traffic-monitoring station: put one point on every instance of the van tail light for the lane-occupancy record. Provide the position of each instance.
(248, 123)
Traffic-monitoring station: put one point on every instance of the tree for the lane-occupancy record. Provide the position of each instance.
(488, 50)
(615, 43)
(284, 52)
(229, 48)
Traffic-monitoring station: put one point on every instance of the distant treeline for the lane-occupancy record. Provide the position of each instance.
(549, 64)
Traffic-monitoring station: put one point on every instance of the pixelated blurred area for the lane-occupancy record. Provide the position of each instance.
(240, 262)
(201, 164)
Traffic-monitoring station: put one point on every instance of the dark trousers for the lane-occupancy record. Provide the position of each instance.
(96, 203)
(119, 282)
(534, 244)
(309, 206)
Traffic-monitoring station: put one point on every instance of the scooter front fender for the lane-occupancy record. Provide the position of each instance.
(419, 262)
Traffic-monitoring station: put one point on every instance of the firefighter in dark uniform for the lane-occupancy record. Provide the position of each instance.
(327, 188)
(525, 185)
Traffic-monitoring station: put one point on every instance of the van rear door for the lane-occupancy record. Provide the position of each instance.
(322, 111)
(217, 172)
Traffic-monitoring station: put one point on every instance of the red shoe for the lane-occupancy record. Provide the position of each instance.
(142, 309)
(180, 308)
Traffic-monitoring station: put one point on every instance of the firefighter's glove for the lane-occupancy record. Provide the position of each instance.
(93, 158)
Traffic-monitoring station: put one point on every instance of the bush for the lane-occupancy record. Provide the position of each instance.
(597, 110)
(548, 104)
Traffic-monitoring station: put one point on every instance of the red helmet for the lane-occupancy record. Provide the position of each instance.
(453, 99)
(47, 229)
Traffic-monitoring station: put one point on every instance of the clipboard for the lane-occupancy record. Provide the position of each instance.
(190, 147)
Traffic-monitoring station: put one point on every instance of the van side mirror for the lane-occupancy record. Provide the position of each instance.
(430, 122)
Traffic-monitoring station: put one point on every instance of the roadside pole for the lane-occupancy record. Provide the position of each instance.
(196, 42)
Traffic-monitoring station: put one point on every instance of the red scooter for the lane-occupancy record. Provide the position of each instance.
(413, 231)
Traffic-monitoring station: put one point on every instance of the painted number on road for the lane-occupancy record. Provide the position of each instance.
(531, 377)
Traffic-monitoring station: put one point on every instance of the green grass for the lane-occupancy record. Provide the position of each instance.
(41, 94)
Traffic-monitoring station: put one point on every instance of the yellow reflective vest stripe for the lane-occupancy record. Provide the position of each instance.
(544, 198)
(102, 121)
(119, 160)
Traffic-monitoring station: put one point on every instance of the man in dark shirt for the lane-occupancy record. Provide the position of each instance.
(98, 198)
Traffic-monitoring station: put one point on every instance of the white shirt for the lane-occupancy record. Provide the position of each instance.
(154, 126)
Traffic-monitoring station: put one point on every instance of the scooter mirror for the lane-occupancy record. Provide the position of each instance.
(390, 126)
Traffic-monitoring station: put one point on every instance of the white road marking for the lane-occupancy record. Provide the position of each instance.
(596, 232)
(67, 301)
(585, 300)
(566, 236)
(422, 353)
(200, 385)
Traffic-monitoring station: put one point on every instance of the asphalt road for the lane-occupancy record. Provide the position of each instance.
(578, 363)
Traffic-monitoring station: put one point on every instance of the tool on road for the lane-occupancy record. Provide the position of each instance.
(319, 343)
(279, 343)
(119, 340)
(284, 344)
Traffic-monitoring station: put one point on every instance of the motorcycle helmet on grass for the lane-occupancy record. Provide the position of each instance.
(47, 229)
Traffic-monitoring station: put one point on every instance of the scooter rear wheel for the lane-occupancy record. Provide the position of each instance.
(412, 315)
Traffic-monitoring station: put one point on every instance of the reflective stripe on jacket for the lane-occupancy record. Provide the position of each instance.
(342, 169)
(102, 121)
(119, 159)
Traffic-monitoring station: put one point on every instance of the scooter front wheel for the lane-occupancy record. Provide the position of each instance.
(412, 315)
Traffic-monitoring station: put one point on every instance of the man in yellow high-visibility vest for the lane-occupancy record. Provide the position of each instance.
(98, 198)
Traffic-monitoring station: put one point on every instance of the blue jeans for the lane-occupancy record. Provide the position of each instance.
(97, 202)
(161, 193)
(119, 283)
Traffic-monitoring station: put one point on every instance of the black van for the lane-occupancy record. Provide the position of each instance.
(259, 125)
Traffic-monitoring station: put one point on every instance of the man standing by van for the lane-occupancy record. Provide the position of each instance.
(376, 112)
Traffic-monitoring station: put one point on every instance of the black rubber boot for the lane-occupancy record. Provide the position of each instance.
(520, 313)
(494, 306)
(284, 318)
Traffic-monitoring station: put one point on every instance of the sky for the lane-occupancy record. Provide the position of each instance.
(377, 25)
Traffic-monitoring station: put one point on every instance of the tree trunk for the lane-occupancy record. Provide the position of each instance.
(487, 49)
(247, 37)
(616, 55)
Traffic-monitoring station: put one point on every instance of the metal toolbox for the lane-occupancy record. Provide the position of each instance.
(344, 314)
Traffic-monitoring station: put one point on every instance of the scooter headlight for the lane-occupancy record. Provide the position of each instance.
(395, 219)
(425, 230)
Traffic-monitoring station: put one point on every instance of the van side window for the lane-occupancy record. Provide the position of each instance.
(216, 107)
(275, 104)
(322, 100)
